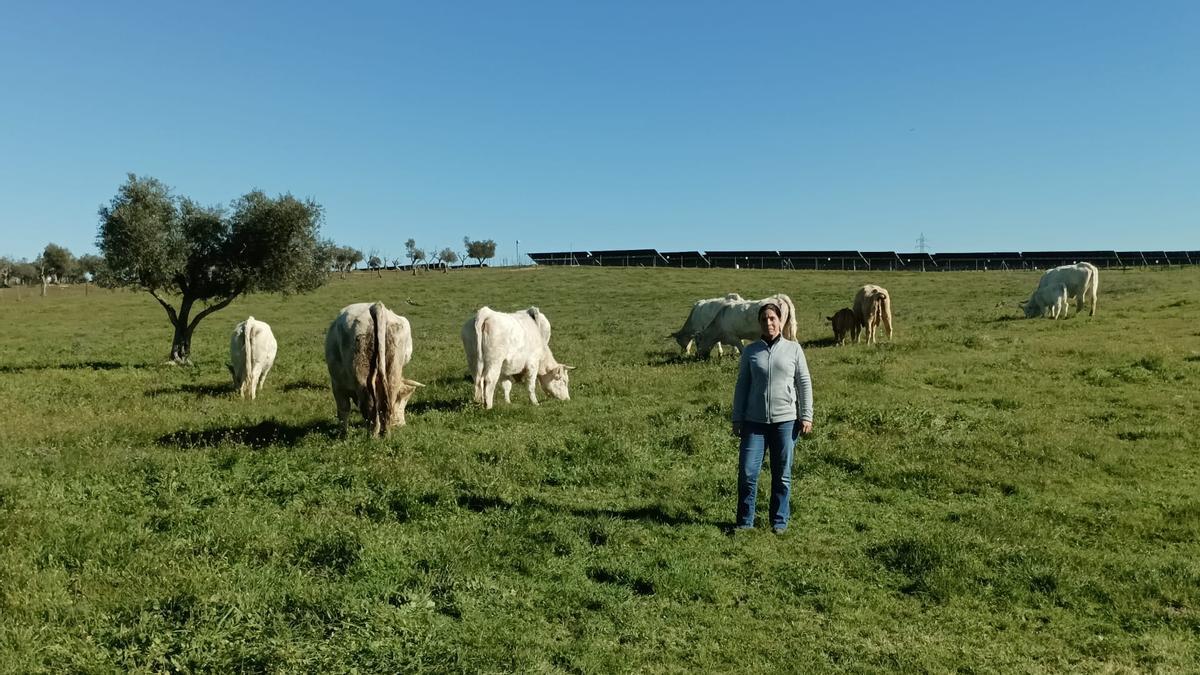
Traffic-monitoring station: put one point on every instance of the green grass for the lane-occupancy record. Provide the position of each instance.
(984, 493)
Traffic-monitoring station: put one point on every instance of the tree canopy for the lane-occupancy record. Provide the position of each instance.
(480, 250)
(172, 246)
(414, 254)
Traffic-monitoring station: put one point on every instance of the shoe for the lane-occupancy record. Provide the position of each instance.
(779, 530)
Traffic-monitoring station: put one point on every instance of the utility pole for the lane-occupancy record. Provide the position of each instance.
(922, 243)
(518, 253)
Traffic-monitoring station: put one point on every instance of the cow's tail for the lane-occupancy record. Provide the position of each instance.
(478, 374)
(1093, 287)
(379, 382)
(885, 313)
(789, 325)
(247, 361)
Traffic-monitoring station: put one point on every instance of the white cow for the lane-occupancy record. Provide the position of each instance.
(501, 347)
(366, 349)
(702, 313)
(1052, 299)
(872, 308)
(1082, 281)
(252, 349)
(738, 320)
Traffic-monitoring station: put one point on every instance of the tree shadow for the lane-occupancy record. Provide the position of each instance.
(78, 365)
(258, 436)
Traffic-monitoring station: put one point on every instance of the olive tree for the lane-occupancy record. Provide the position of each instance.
(480, 250)
(54, 262)
(414, 254)
(183, 253)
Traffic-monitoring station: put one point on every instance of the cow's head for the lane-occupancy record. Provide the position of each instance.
(1030, 308)
(682, 338)
(403, 393)
(555, 381)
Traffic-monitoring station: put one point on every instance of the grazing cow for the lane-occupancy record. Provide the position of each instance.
(366, 348)
(844, 322)
(1082, 281)
(738, 320)
(251, 354)
(702, 313)
(1052, 300)
(872, 306)
(501, 347)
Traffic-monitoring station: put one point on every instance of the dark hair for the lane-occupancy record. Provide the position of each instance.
(771, 306)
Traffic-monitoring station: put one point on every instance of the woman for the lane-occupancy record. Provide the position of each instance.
(772, 404)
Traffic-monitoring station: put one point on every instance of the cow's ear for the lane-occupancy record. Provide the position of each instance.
(412, 383)
(568, 367)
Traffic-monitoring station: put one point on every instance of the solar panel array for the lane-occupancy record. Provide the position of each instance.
(864, 260)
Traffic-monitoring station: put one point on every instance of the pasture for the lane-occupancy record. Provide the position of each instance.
(985, 493)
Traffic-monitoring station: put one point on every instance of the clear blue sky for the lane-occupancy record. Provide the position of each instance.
(676, 125)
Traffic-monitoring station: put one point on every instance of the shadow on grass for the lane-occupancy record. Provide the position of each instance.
(650, 513)
(257, 436)
(214, 390)
(452, 405)
(678, 359)
(78, 365)
(821, 342)
(670, 359)
(306, 386)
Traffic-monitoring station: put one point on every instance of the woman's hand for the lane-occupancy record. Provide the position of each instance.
(736, 430)
(805, 427)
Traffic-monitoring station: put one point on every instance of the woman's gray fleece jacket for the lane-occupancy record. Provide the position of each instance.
(773, 384)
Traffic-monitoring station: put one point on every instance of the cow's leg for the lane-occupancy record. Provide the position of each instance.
(531, 378)
(491, 375)
(343, 410)
(254, 376)
(263, 377)
(506, 385)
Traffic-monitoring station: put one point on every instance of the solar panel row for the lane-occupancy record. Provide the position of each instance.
(856, 260)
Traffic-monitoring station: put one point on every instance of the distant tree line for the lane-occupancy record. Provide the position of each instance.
(56, 265)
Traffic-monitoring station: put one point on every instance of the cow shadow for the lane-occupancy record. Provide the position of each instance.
(436, 405)
(306, 386)
(821, 342)
(669, 359)
(258, 436)
(198, 390)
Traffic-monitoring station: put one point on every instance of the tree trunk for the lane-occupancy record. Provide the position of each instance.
(44, 284)
(181, 344)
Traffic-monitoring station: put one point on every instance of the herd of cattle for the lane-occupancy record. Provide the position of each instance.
(368, 345)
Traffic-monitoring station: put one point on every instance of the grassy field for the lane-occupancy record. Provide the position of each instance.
(983, 494)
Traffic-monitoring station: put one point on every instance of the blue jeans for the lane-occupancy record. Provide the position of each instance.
(757, 437)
